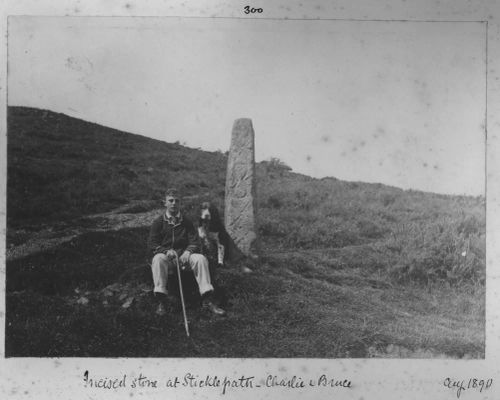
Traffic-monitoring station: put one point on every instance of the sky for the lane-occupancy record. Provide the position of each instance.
(400, 103)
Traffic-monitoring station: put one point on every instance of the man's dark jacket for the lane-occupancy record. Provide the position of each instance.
(180, 235)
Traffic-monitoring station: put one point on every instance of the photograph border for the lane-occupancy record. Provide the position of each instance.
(51, 378)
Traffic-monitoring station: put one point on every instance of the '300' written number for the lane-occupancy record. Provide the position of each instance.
(249, 10)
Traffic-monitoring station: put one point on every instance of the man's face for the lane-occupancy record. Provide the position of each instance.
(173, 204)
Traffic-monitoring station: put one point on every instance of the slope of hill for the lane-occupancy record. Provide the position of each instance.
(377, 271)
(61, 167)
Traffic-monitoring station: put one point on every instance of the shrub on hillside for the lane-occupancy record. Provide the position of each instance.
(388, 198)
(275, 167)
(274, 201)
(370, 229)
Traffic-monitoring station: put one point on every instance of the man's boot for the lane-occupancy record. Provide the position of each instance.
(161, 309)
(207, 303)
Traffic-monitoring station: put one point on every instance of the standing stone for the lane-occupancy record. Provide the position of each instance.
(240, 204)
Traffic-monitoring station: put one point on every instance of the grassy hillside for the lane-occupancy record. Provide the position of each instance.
(374, 270)
(61, 167)
(415, 236)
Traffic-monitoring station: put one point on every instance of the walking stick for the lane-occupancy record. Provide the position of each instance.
(186, 326)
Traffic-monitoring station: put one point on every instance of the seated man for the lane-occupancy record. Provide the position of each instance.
(173, 237)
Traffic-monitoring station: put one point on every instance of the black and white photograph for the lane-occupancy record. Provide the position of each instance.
(344, 160)
(243, 187)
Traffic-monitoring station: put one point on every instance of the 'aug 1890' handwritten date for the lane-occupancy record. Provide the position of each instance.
(462, 385)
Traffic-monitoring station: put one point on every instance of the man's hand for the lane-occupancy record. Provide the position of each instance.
(184, 258)
(171, 254)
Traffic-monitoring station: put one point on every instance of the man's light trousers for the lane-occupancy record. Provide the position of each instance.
(164, 269)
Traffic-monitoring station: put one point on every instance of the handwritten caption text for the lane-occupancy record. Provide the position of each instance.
(223, 383)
